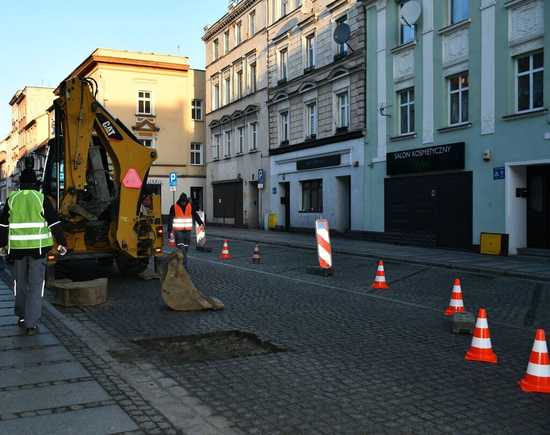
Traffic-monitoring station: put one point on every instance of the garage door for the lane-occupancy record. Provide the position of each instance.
(436, 205)
(228, 201)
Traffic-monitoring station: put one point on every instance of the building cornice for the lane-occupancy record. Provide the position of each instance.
(227, 18)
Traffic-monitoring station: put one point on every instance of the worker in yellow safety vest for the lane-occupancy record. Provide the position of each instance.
(182, 216)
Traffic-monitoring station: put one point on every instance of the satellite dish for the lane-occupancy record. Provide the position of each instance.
(342, 33)
(410, 12)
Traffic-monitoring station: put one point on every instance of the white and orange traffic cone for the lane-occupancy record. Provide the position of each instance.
(225, 255)
(256, 258)
(537, 378)
(456, 304)
(172, 241)
(380, 278)
(481, 348)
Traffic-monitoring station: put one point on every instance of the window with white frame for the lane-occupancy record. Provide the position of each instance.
(252, 23)
(310, 51)
(196, 109)
(238, 33)
(283, 126)
(148, 142)
(238, 84)
(459, 10)
(341, 49)
(226, 42)
(227, 90)
(253, 145)
(406, 110)
(217, 145)
(283, 64)
(342, 108)
(458, 99)
(145, 103)
(252, 76)
(215, 49)
(283, 7)
(311, 119)
(530, 81)
(227, 144)
(241, 134)
(406, 31)
(216, 96)
(196, 154)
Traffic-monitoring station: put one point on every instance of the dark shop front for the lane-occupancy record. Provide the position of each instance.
(428, 196)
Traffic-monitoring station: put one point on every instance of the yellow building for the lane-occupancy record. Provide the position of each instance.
(161, 99)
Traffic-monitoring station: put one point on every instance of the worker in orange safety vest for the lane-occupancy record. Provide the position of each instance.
(182, 216)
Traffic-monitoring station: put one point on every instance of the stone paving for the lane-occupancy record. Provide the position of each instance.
(357, 360)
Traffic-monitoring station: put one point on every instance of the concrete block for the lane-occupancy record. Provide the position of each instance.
(70, 293)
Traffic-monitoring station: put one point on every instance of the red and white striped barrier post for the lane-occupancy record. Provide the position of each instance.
(324, 249)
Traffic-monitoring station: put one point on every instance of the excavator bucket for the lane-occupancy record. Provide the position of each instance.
(179, 292)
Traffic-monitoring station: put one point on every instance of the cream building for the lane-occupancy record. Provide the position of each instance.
(161, 100)
(236, 115)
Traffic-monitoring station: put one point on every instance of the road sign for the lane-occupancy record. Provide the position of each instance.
(499, 173)
(260, 178)
(173, 181)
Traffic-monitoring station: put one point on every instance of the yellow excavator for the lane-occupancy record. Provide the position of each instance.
(96, 175)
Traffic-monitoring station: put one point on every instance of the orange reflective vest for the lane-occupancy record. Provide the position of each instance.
(183, 219)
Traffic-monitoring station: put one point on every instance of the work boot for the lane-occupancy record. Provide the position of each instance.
(32, 331)
(21, 322)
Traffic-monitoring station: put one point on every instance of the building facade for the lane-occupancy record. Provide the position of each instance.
(459, 129)
(161, 99)
(317, 112)
(236, 115)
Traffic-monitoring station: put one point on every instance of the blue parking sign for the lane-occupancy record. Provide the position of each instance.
(173, 179)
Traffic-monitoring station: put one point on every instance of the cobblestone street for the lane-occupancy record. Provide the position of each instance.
(356, 360)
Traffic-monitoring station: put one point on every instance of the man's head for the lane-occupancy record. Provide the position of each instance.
(28, 180)
(183, 198)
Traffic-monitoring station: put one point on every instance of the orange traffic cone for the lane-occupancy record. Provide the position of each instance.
(456, 305)
(481, 349)
(380, 278)
(172, 241)
(537, 378)
(256, 258)
(225, 255)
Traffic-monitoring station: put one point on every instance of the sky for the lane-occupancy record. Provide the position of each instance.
(42, 41)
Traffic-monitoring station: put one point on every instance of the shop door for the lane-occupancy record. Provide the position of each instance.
(538, 207)
(228, 202)
(285, 202)
(196, 198)
(433, 205)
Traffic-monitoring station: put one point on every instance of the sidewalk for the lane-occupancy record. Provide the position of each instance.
(47, 389)
(521, 267)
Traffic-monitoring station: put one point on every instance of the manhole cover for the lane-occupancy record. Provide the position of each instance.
(202, 347)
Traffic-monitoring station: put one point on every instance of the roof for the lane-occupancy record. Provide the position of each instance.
(21, 93)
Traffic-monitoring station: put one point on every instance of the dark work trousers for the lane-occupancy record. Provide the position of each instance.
(28, 288)
(183, 240)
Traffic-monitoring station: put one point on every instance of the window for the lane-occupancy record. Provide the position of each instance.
(215, 49)
(252, 77)
(227, 90)
(241, 134)
(196, 154)
(311, 121)
(216, 96)
(217, 144)
(342, 100)
(238, 33)
(458, 99)
(283, 126)
(226, 42)
(530, 76)
(196, 110)
(283, 64)
(252, 23)
(284, 7)
(227, 144)
(312, 196)
(238, 84)
(459, 10)
(341, 49)
(149, 142)
(406, 32)
(406, 111)
(145, 103)
(253, 136)
(310, 51)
